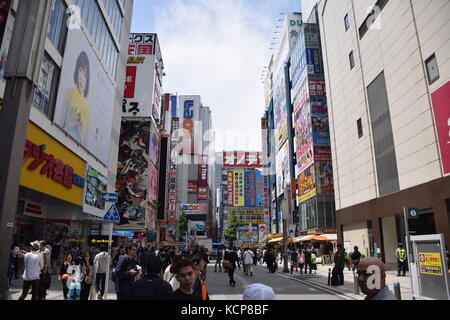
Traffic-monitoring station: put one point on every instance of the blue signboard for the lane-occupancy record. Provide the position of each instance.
(313, 61)
(259, 189)
(250, 189)
(112, 215)
(109, 197)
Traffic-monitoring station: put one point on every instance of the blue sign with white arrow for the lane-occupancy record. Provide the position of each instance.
(112, 215)
(109, 197)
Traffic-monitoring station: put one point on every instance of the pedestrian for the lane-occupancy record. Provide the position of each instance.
(401, 260)
(64, 274)
(203, 253)
(231, 258)
(46, 253)
(219, 258)
(34, 263)
(169, 274)
(126, 270)
(73, 283)
(356, 257)
(308, 263)
(374, 293)
(255, 257)
(199, 283)
(101, 267)
(55, 255)
(301, 260)
(87, 279)
(120, 252)
(294, 261)
(339, 260)
(185, 274)
(269, 258)
(258, 291)
(248, 262)
(151, 286)
(314, 261)
(11, 265)
(44, 283)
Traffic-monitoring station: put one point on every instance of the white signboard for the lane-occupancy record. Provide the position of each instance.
(140, 76)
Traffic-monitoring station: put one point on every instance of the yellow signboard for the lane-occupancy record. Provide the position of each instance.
(50, 168)
(431, 263)
(239, 196)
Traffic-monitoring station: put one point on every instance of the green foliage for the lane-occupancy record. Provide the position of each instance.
(231, 229)
(183, 225)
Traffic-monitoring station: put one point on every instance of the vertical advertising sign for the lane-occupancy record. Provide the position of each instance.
(259, 189)
(171, 220)
(307, 184)
(441, 103)
(140, 79)
(153, 184)
(85, 102)
(320, 124)
(230, 189)
(203, 179)
(239, 197)
(250, 189)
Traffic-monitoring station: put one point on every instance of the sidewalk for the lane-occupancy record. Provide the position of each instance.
(321, 280)
(54, 293)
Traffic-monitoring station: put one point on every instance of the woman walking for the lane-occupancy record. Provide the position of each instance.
(87, 275)
(231, 257)
(65, 273)
(301, 260)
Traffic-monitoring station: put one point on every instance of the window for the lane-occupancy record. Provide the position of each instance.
(346, 22)
(57, 27)
(45, 93)
(432, 69)
(360, 128)
(352, 60)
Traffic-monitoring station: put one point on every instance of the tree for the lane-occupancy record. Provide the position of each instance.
(183, 225)
(231, 229)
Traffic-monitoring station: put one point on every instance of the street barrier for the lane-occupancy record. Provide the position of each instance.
(355, 284)
(397, 291)
(329, 277)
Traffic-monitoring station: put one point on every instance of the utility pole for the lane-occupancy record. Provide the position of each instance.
(22, 73)
(285, 237)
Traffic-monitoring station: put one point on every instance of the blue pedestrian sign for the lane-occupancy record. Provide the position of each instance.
(109, 197)
(112, 215)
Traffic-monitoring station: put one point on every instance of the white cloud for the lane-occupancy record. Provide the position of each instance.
(218, 49)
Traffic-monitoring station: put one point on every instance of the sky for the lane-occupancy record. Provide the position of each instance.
(217, 49)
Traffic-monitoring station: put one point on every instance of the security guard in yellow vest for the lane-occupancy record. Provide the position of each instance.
(401, 260)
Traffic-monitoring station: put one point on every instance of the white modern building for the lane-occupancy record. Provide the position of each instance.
(387, 68)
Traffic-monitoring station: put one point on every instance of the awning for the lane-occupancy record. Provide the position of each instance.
(316, 237)
(279, 239)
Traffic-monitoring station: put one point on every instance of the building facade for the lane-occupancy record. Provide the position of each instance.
(387, 72)
(72, 141)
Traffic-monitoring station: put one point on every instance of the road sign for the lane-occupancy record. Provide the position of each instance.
(112, 215)
(109, 197)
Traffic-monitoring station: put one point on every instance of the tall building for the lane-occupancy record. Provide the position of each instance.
(139, 160)
(388, 89)
(195, 191)
(72, 142)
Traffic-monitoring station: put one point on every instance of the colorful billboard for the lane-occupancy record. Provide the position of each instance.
(85, 103)
(96, 184)
(154, 150)
(250, 189)
(324, 176)
(320, 124)
(189, 209)
(133, 172)
(189, 114)
(153, 184)
(306, 184)
(441, 103)
(259, 189)
(282, 169)
(239, 186)
(140, 76)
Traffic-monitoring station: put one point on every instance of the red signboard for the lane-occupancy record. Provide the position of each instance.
(441, 107)
(203, 179)
(130, 82)
(242, 159)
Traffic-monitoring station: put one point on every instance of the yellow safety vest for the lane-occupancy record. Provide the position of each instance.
(401, 253)
(313, 258)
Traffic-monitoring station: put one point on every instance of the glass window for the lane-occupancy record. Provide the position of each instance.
(432, 69)
(45, 92)
(346, 22)
(57, 27)
(352, 60)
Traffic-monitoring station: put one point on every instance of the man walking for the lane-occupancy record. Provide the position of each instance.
(101, 265)
(46, 254)
(34, 263)
(55, 254)
(248, 262)
(356, 257)
(126, 270)
(339, 260)
(219, 259)
(401, 260)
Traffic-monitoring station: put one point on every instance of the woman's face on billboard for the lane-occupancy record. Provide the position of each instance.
(82, 79)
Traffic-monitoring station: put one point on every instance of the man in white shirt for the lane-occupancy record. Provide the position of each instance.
(34, 263)
(248, 261)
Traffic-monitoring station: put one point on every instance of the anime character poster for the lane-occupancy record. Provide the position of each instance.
(133, 172)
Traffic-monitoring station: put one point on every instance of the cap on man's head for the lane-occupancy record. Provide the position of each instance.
(35, 245)
(258, 291)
